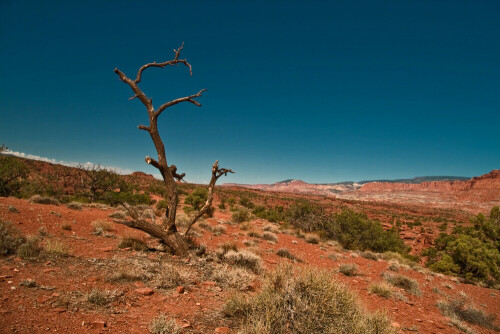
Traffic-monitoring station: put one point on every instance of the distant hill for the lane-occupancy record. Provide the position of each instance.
(415, 180)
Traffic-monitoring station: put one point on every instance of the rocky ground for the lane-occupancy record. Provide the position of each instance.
(99, 287)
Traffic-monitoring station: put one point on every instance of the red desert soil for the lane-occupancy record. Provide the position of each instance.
(42, 309)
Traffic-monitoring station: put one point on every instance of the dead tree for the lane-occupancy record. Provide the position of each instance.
(167, 231)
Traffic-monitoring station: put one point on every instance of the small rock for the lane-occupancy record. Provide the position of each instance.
(198, 304)
(42, 299)
(294, 242)
(222, 330)
(59, 310)
(98, 324)
(46, 271)
(145, 291)
(180, 289)
(210, 283)
(107, 249)
(395, 325)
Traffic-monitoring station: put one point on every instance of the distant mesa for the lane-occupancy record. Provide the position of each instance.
(439, 191)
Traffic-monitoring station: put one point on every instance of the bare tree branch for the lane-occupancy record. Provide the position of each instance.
(216, 173)
(189, 98)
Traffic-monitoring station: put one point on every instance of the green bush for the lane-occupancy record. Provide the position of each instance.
(240, 216)
(303, 301)
(355, 231)
(117, 197)
(273, 215)
(470, 252)
(197, 198)
(12, 172)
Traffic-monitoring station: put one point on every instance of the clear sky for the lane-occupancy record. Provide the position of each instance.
(322, 91)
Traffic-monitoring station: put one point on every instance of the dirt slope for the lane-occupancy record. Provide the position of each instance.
(58, 303)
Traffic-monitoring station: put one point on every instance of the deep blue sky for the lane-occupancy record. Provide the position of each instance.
(320, 91)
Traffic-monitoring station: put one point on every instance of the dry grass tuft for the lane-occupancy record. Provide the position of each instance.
(370, 255)
(134, 242)
(401, 281)
(312, 238)
(10, 238)
(74, 206)
(160, 325)
(348, 269)
(44, 200)
(30, 250)
(460, 309)
(380, 289)
(218, 230)
(56, 248)
(303, 301)
(270, 237)
(283, 252)
(244, 259)
(101, 226)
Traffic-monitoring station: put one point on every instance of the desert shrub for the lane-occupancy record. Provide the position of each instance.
(380, 289)
(231, 277)
(254, 234)
(101, 226)
(244, 259)
(226, 247)
(74, 206)
(98, 297)
(30, 250)
(270, 236)
(114, 198)
(13, 209)
(161, 204)
(56, 248)
(10, 238)
(118, 215)
(12, 172)
(304, 301)
(307, 216)
(283, 252)
(348, 269)
(355, 231)
(218, 229)
(97, 183)
(132, 242)
(168, 277)
(245, 226)
(273, 215)
(44, 200)
(403, 282)
(369, 255)
(312, 238)
(458, 307)
(470, 252)
(197, 198)
(246, 202)
(240, 216)
(160, 325)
